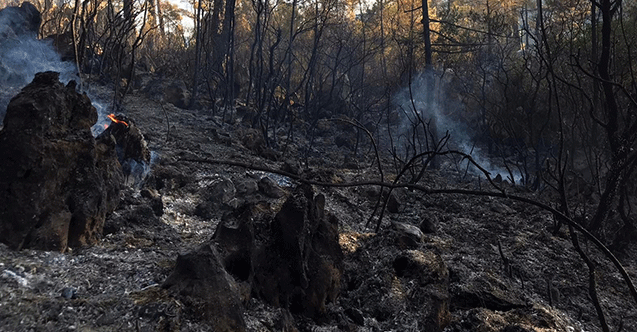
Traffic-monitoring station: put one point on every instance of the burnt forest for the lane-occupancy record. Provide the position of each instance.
(318, 165)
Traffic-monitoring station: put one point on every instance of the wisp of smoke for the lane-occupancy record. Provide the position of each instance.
(460, 135)
(23, 55)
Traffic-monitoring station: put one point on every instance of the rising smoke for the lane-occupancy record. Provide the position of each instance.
(443, 115)
(22, 55)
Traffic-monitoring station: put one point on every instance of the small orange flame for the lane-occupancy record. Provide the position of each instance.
(112, 117)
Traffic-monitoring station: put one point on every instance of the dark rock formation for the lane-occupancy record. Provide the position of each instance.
(156, 202)
(235, 239)
(429, 224)
(247, 186)
(203, 284)
(177, 94)
(301, 266)
(57, 183)
(216, 196)
(268, 187)
(407, 236)
(394, 202)
(296, 264)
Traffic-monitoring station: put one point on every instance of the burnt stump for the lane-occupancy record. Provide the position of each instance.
(57, 183)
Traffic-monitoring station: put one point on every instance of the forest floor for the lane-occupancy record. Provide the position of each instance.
(114, 285)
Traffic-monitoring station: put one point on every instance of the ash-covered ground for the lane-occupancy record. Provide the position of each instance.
(115, 285)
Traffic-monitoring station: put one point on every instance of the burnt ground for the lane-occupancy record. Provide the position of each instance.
(114, 286)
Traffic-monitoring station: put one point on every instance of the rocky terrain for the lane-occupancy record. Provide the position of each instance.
(438, 263)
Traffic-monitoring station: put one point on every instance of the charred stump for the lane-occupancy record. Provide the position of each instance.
(300, 267)
(131, 147)
(296, 265)
(57, 183)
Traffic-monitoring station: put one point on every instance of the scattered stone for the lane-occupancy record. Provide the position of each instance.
(428, 225)
(247, 186)
(268, 187)
(216, 196)
(407, 236)
(69, 293)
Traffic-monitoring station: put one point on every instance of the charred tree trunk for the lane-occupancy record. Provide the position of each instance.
(619, 143)
(228, 36)
(198, 47)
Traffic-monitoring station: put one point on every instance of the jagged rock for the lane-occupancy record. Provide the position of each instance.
(300, 267)
(268, 187)
(235, 239)
(215, 196)
(253, 140)
(202, 283)
(428, 225)
(407, 236)
(487, 291)
(177, 94)
(247, 187)
(393, 204)
(57, 183)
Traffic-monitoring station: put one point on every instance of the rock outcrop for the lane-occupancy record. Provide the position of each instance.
(300, 267)
(295, 263)
(57, 183)
(207, 289)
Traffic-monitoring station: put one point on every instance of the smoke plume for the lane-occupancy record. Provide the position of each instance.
(443, 115)
(22, 55)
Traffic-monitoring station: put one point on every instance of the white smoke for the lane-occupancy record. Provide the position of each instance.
(443, 116)
(21, 57)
